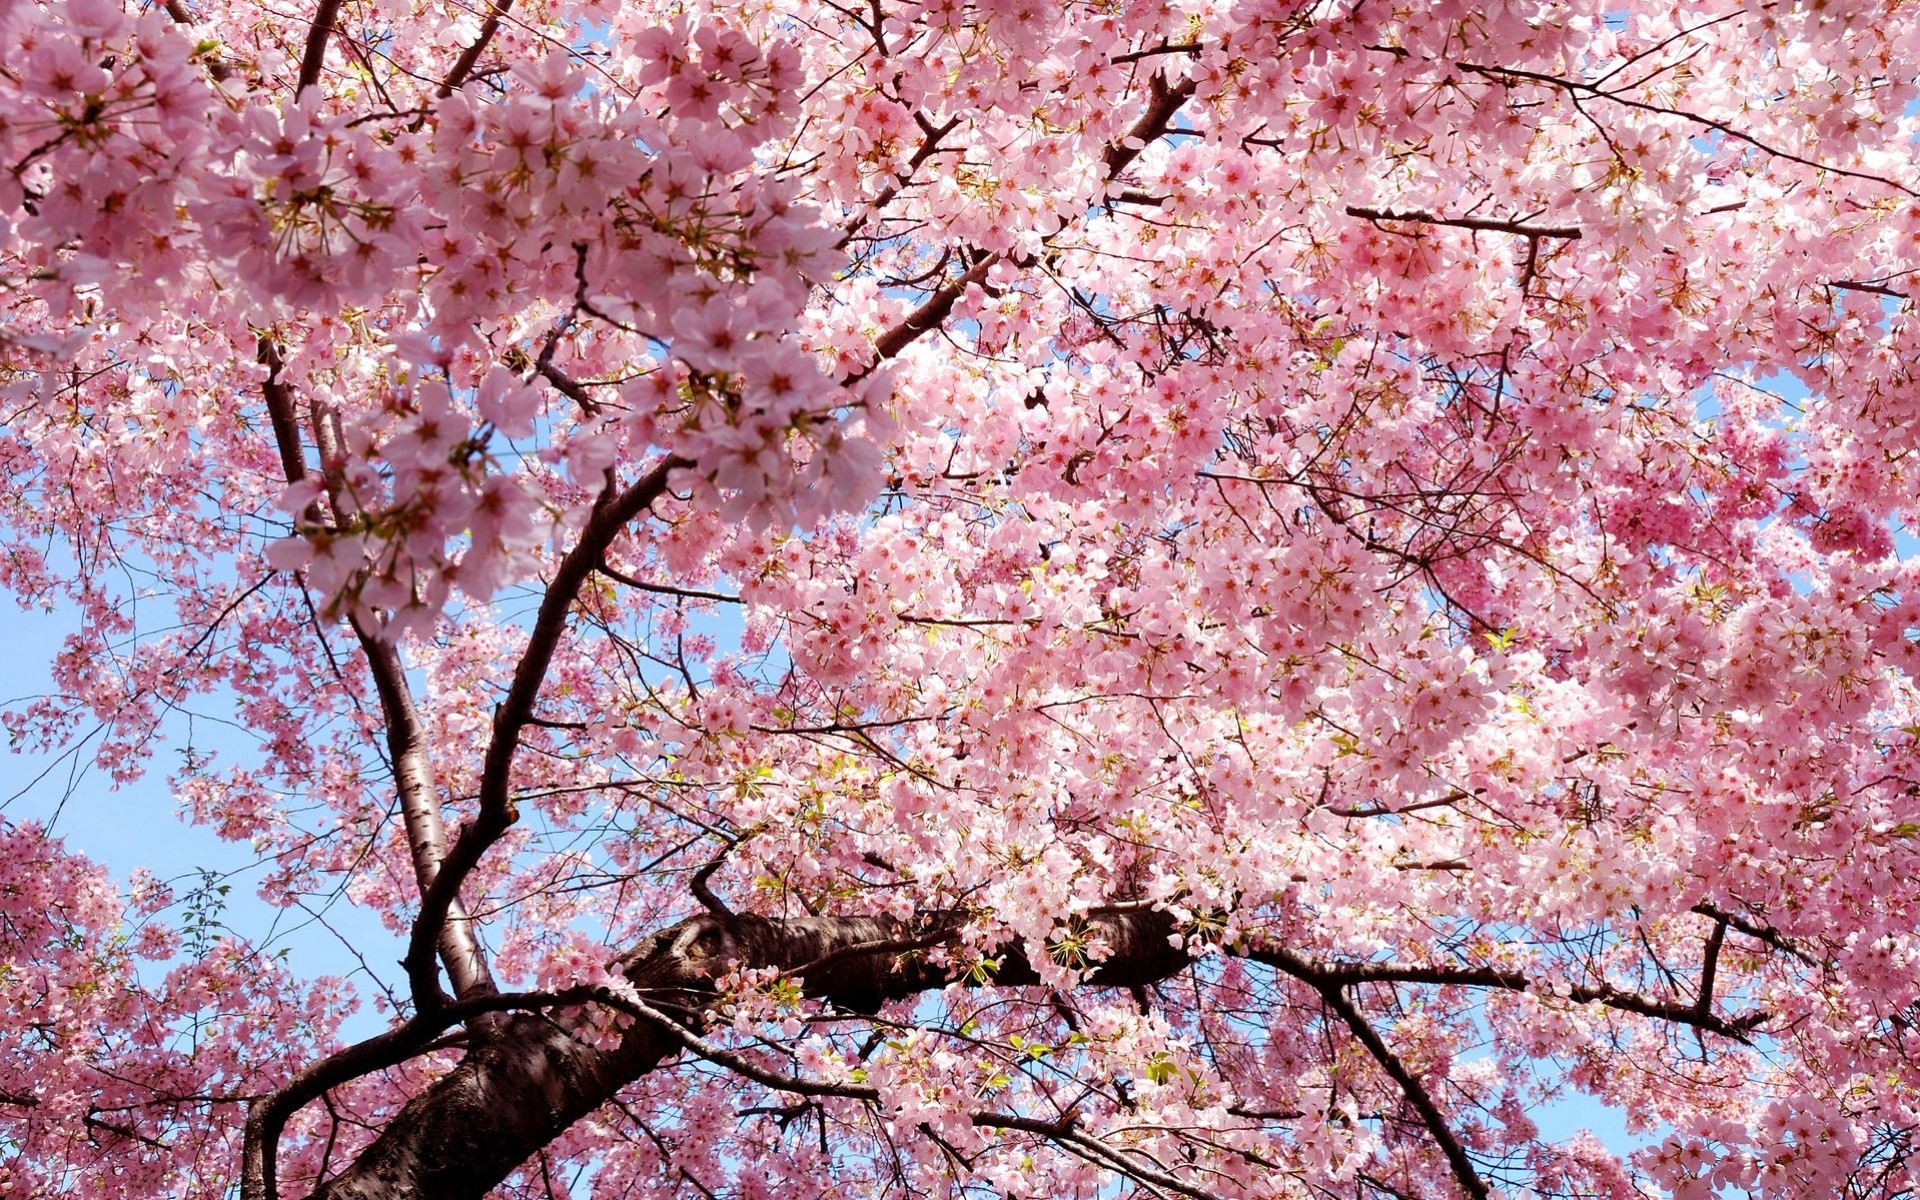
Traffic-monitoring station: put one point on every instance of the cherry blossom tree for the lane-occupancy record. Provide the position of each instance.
(974, 598)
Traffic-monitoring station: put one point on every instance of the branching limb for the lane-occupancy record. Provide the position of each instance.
(455, 941)
(520, 1087)
(929, 144)
(701, 884)
(497, 812)
(1576, 88)
(1759, 932)
(1349, 974)
(470, 57)
(267, 1118)
(1333, 992)
(1420, 217)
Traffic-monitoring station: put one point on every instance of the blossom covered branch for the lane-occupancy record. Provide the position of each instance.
(1206, 599)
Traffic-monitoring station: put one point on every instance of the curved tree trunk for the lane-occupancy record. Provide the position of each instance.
(529, 1079)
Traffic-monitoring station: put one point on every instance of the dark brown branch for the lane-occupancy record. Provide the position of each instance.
(525, 1083)
(1709, 967)
(929, 315)
(1861, 285)
(519, 1088)
(701, 885)
(861, 949)
(286, 427)
(566, 384)
(1764, 934)
(1331, 980)
(1416, 1092)
(314, 57)
(1348, 974)
(267, 1118)
(1419, 217)
(664, 589)
(928, 145)
(463, 66)
(1189, 48)
(610, 517)
(1152, 124)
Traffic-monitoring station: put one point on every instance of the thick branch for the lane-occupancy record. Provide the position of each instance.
(314, 57)
(520, 1088)
(929, 315)
(267, 1118)
(469, 57)
(525, 1084)
(497, 813)
(280, 412)
(1151, 125)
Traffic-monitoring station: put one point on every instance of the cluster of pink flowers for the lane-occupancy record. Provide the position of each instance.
(1417, 492)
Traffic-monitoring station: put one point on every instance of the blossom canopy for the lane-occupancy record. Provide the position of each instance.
(1157, 598)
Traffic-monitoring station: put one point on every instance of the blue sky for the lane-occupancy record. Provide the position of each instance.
(137, 825)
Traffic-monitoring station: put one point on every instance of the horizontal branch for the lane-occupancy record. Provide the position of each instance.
(524, 1084)
(1580, 87)
(531, 1079)
(665, 589)
(1862, 285)
(1491, 225)
(1338, 974)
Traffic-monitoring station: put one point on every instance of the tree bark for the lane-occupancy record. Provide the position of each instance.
(529, 1079)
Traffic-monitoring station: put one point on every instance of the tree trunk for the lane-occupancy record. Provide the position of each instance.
(529, 1080)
